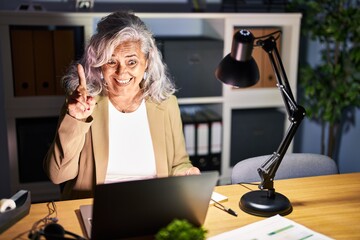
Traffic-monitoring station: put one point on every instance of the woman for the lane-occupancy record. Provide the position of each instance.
(120, 121)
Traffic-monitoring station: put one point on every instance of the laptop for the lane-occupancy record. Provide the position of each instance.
(140, 208)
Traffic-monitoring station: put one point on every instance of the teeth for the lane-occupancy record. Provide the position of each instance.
(123, 81)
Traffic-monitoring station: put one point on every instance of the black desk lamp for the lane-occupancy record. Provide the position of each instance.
(239, 69)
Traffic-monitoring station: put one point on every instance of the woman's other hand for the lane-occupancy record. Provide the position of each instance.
(79, 104)
(193, 171)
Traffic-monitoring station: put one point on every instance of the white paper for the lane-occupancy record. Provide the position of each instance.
(274, 228)
(217, 197)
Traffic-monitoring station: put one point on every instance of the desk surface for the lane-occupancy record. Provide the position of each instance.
(327, 204)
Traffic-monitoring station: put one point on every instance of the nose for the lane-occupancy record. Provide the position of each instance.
(117, 69)
(120, 70)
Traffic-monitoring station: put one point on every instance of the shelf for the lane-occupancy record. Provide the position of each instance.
(219, 26)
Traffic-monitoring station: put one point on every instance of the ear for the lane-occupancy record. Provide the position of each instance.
(146, 64)
(149, 54)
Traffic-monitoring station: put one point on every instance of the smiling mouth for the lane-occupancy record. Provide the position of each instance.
(123, 82)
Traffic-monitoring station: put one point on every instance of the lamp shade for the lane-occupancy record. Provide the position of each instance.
(239, 69)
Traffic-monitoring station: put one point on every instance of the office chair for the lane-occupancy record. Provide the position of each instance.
(293, 165)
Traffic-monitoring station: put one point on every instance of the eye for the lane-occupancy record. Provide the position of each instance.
(132, 62)
(111, 63)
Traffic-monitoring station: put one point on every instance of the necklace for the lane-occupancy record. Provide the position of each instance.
(135, 100)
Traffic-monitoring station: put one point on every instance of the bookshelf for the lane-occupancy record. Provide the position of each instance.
(215, 26)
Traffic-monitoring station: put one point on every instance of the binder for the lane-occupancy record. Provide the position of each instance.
(23, 62)
(202, 133)
(201, 158)
(44, 62)
(204, 140)
(64, 53)
(189, 132)
(40, 57)
(215, 139)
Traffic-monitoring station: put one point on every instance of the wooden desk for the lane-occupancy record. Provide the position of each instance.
(328, 204)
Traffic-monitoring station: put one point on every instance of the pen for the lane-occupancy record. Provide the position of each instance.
(226, 209)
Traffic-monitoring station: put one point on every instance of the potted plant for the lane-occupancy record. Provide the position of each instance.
(332, 87)
(181, 229)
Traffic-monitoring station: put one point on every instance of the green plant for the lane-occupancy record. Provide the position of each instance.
(333, 86)
(181, 230)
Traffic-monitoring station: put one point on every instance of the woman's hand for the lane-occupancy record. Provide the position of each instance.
(193, 171)
(79, 104)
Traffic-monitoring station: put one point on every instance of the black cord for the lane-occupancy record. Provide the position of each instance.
(50, 217)
(271, 34)
(279, 32)
(248, 183)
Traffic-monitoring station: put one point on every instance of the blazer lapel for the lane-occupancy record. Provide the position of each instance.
(156, 120)
(100, 138)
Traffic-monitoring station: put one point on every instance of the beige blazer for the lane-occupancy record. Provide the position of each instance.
(78, 157)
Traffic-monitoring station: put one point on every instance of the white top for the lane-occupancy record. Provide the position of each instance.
(131, 153)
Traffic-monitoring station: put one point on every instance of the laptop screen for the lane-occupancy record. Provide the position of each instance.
(143, 207)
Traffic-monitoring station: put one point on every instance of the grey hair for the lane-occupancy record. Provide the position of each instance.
(113, 30)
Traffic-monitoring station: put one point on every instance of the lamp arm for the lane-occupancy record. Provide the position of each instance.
(295, 112)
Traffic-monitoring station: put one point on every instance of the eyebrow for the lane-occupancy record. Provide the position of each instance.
(131, 55)
(127, 56)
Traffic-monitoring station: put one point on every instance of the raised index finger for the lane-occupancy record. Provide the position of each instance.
(81, 73)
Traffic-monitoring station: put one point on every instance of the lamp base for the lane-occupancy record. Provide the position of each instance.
(259, 204)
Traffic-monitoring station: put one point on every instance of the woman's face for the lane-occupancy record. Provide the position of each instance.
(125, 70)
